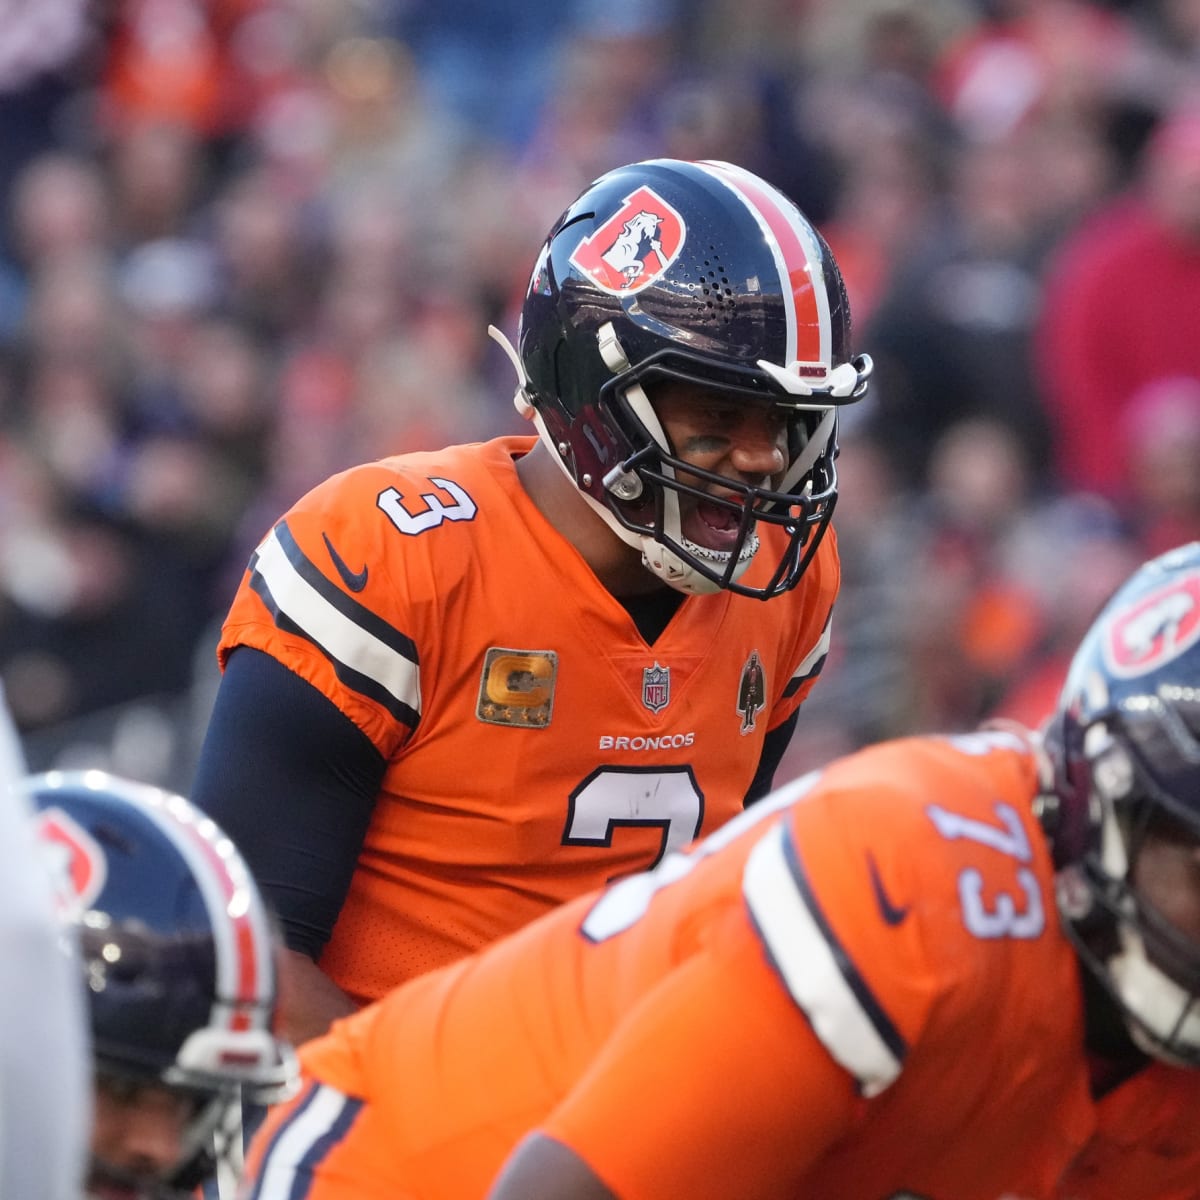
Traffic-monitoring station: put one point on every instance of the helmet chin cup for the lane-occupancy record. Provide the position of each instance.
(678, 572)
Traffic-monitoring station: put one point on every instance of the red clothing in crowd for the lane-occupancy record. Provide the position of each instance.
(1119, 313)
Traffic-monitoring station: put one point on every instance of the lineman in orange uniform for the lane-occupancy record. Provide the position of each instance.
(466, 686)
(859, 989)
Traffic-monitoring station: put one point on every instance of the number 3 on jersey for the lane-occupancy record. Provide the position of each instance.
(432, 510)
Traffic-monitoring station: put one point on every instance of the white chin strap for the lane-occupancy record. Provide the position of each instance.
(1163, 1009)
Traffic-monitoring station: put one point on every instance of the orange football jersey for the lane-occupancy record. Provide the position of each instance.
(858, 990)
(537, 746)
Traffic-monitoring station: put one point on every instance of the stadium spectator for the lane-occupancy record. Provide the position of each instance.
(1070, 558)
(954, 327)
(1104, 332)
(1161, 425)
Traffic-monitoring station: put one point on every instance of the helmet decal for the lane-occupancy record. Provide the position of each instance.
(1156, 629)
(634, 246)
(791, 241)
(77, 863)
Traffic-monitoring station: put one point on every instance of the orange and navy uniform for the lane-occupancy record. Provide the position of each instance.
(535, 745)
(858, 989)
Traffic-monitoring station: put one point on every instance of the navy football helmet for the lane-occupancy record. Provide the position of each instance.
(703, 273)
(1125, 747)
(177, 953)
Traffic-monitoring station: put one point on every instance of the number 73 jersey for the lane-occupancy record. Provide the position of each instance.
(536, 746)
(857, 989)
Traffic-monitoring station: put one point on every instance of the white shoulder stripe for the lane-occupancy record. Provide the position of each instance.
(344, 640)
(818, 652)
(809, 968)
(277, 1177)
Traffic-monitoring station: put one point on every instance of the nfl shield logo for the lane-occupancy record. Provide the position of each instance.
(656, 687)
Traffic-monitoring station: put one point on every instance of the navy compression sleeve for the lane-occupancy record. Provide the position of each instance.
(774, 744)
(293, 781)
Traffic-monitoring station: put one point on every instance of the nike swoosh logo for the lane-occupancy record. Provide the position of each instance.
(891, 913)
(354, 580)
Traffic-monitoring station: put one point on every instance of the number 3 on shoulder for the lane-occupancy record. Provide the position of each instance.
(432, 508)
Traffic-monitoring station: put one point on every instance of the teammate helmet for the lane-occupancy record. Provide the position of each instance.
(1125, 747)
(704, 273)
(177, 952)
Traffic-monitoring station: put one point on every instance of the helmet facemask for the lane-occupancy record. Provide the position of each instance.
(1149, 967)
(204, 1075)
(639, 496)
(642, 497)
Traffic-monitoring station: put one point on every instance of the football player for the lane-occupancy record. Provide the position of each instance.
(178, 968)
(460, 688)
(959, 967)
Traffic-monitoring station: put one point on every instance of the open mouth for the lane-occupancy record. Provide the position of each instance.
(711, 532)
(714, 526)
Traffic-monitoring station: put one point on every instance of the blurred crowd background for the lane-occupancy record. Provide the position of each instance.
(246, 243)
